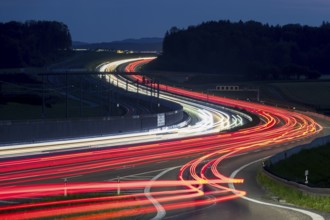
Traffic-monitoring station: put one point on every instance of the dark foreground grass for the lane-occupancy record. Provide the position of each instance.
(315, 160)
(294, 196)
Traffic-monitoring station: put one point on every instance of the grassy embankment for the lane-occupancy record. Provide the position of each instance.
(23, 100)
(293, 168)
(308, 95)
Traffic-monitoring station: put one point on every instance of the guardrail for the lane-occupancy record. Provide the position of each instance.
(30, 131)
(286, 154)
(303, 188)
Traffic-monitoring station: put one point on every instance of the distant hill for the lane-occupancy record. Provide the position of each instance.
(143, 44)
(78, 44)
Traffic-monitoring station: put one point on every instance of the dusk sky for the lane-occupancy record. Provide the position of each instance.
(109, 20)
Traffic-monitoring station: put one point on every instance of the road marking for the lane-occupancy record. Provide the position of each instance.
(313, 215)
(160, 209)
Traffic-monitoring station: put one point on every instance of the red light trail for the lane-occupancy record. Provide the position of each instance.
(276, 126)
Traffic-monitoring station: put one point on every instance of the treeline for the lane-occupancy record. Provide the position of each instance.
(252, 49)
(33, 43)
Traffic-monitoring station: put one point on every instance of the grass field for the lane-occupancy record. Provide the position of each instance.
(301, 94)
(313, 93)
(315, 160)
(22, 100)
(17, 111)
(294, 196)
(288, 94)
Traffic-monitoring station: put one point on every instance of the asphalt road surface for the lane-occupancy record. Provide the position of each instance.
(191, 177)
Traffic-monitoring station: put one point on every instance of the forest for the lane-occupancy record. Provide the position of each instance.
(250, 49)
(32, 43)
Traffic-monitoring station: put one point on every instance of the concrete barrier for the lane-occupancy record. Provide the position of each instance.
(30, 131)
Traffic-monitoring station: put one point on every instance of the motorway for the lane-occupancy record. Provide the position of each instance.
(185, 172)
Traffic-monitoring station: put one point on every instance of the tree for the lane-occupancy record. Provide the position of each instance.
(33, 43)
(250, 48)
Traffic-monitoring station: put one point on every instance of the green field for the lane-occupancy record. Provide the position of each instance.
(23, 100)
(17, 111)
(313, 93)
(293, 196)
(315, 160)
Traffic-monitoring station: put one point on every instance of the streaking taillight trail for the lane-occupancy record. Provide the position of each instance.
(277, 126)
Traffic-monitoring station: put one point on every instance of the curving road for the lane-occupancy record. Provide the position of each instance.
(195, 177)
